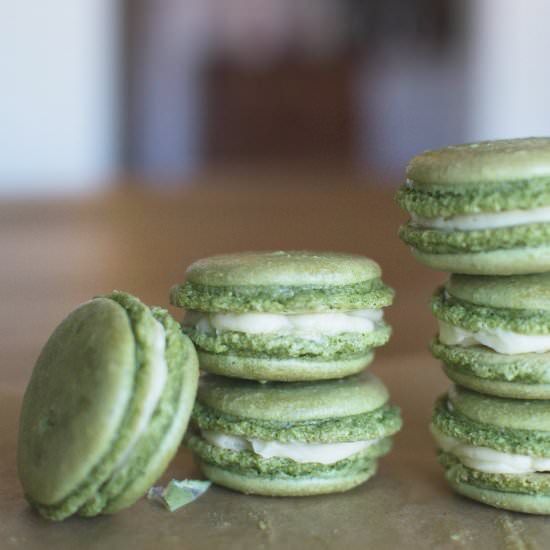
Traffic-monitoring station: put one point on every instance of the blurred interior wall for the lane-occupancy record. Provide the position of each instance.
(59, 65)
(509, 68)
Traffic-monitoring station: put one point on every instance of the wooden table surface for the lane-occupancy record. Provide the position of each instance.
(57, 254)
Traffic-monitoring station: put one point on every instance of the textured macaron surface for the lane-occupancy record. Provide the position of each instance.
(350, 409)
(328, 347)
(482, 362)
(535, 483)
(76, 400)
(482, 163)
(293, 402)
(294, 268)
(436, 241)
(481, 177)
(508, 425)
(157, 445)
(529, 292)
(465, 314)
(282, 282)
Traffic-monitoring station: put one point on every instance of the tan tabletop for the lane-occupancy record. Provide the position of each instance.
(57, 254)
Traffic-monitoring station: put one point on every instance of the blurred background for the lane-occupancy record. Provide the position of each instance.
(137, 136)
(161, 92)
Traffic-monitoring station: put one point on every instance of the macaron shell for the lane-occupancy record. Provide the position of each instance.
(294, 268)
(517, 261)
(521, 376)
(160, 442)
(498, 388)
(525, 292)
(77, 398)
(482, 362)
(499, 412)
(282, 370)
(371, 294)
(293, 402)
(486, 162)
(452, 201)
(475, 318)
(284, 486)
(377, 424)
(291, 346)
(515, 502)
(438, 241)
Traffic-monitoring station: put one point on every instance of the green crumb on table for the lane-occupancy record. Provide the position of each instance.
(178, 493)
(513, 533)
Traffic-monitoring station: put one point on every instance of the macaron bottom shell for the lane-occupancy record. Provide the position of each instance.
(256, 484)
(284, 370)
(499, 388)
(514, 502)
(516, 261)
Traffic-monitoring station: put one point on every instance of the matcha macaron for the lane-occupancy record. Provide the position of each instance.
(494, 334)
(495, 450)
(292, 439)
(106, 408)
(284, 316)
(480, 208)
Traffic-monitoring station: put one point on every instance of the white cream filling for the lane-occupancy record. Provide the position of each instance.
(501, 341)
(158, 380)
(487, 220)
(322, 453)
(360, 320)
(488, 460)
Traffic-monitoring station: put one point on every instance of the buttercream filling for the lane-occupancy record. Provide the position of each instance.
(360, 320)
(158, 380)
(322, 453)
(488, 460)
(501, 341)
(487, 220)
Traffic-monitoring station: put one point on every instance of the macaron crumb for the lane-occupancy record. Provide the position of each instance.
(178, 493)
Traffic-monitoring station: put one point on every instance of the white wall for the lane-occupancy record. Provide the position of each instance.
(509, 68)
(58, 94)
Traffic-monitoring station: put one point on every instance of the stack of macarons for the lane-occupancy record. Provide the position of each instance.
(285, 337)
(482, 212)
(114, 388)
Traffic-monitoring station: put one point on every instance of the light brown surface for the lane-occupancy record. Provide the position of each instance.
(58, 254)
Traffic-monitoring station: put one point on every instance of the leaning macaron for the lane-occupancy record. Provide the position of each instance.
(106, 408)
(495, 450)
(292, 439)
(494, 334)
(284, 316)
(480, 208)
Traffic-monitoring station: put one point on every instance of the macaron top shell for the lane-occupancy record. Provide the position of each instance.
(282, 282)
(293, 402)
(514, 414)
(295, 268)
(530, 292)
(76, 399)
(482, 163)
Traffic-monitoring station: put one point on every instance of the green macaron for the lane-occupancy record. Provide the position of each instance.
(292, 439)
(284, 316)
(494, 334)
(495, 450)
(480, 208)
(106, 408)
